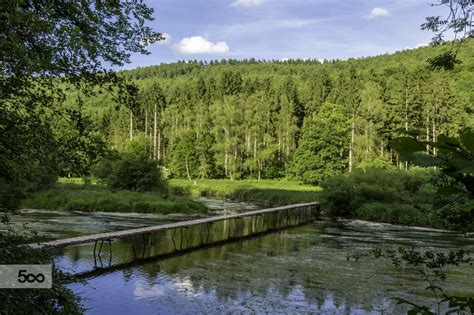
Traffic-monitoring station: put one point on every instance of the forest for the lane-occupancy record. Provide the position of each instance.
(257, 119)
(379, 149)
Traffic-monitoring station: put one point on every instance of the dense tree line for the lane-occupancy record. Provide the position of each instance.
(302, 118)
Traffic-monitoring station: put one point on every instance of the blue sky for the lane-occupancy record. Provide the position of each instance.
(278, 29)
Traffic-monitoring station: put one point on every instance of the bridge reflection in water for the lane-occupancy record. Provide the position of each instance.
(105, 252)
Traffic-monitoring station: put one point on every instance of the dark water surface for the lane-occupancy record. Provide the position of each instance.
(299, 270)
(63, 224)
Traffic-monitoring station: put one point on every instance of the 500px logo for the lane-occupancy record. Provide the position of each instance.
(25, 276)
(30, 277)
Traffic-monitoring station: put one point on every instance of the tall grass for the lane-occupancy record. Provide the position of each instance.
(68, 196)
(270, 192)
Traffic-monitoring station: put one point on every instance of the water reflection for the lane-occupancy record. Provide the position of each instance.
(103, 256)
(303, 269)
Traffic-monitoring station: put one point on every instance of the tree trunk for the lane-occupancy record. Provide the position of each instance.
(406, 120)
(255, 147)
(351, 145)
(131, 125)
(234, 167)
(259, 169)
(187, 168)
(247, 136)
(427, 137)
(146, 130)
(367, 143)
(154, 132)
(226, 153)
(159, 146)
(146, 122)
(434, 138)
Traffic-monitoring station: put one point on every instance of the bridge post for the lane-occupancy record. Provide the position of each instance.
(95, 259)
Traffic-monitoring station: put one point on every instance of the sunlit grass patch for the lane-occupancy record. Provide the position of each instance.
(270, 192)
(77, 197)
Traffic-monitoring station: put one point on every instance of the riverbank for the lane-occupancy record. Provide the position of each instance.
(383, 200)
(93, 197)
(268, 192)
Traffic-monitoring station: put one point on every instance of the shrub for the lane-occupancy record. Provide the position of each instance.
(371, 192)
(140, 145)
(379, 194)
(390, 213)
(377, 163)
(58, 300)
(458, 215)
(425, 195)
(415, 178)
(135, 172)
(130, 172)
(102, 169)
(339, 196)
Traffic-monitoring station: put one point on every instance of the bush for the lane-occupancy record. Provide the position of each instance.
(379, 194)
(339, 196)
(130, 172)
(102, 169)
(140, 145)
(377, 163)
(390, 213)
(58, 300)
(415, 178)
(458, 215)
(424, 196)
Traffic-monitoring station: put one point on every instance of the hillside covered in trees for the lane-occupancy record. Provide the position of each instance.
(301, 119)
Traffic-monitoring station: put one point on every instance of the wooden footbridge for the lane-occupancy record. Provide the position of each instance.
(193, 233)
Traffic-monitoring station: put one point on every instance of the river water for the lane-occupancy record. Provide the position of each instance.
(298, 270)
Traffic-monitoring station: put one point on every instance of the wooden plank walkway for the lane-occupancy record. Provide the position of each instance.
(156, 228)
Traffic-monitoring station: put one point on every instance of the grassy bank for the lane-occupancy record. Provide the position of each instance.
(78, 197)
(269, 192)
(398, 197)
(377, 195)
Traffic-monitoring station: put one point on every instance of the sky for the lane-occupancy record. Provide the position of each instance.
(281, 29)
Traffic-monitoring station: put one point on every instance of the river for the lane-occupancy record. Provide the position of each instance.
(299, 270)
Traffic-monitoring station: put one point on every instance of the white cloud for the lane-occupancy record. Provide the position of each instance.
(246, 3)
(167, 39)
(199, 45)
(376, 12)
(418, 46)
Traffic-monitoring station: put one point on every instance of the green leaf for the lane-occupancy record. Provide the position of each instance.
(467, 141)
(447, 141)
(462, 164)
(449, 190)
(467, 170)
(469, 205)
(405, 145)
(425, 160)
